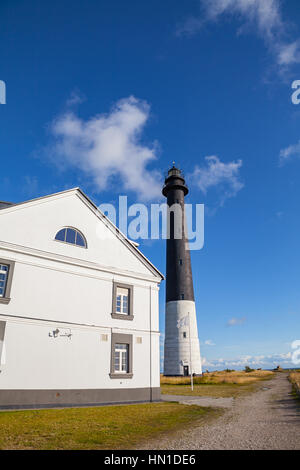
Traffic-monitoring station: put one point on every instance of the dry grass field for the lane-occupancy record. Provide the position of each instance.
(222, 377)
(216, 384)
(294, 377)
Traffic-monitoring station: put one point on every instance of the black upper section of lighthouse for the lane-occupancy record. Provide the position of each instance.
(179, 280)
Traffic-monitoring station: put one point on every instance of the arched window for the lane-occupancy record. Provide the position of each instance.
(72, 236)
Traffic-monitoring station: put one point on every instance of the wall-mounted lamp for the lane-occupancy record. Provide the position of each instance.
(57, 332)
(54, 334)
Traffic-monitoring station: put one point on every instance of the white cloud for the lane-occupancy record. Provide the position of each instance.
(75, 98)
(218, 174)
(209, 342)
(260, 361)
(190, 26)
(268, 361)
(263, 16)
(289, 53)
(30, 185)
(285, 356)
(236, 321)
(289, 152)
(108, 147)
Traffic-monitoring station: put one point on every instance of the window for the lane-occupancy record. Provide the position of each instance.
(71, 236)
(182, 296)
(121, 358)
(184, 334)
(3, 278)
(122, 307)
(122, 300)
(6, 274)
(180, 262)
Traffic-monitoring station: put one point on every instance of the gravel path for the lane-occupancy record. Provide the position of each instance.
(266, 419)
(201, 401)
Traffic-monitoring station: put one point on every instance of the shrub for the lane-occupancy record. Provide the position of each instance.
(248, 369)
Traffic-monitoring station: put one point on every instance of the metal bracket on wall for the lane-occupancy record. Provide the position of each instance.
(59, 333)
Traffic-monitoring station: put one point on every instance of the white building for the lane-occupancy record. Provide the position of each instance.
(79, 318)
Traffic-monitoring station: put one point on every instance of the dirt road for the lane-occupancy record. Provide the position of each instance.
(266, 419)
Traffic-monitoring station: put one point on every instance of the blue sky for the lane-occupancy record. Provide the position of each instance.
(106, 94)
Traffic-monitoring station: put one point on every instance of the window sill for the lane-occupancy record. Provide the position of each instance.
(4, 300)
(121, 376)
(121, 316)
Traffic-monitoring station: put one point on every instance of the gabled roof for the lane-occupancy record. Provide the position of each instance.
(131, 245)
(4, 204)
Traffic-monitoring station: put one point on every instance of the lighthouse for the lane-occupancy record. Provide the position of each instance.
(181, 348)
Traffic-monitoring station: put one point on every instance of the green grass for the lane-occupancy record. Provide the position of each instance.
(109, 427)
(207, 390)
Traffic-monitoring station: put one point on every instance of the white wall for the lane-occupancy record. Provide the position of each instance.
(34, 360)
(56, 285)
(55, 291)
(178, 349)
(35, 224)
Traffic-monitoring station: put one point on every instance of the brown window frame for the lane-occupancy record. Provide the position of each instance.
(119, 338)
(115, 314)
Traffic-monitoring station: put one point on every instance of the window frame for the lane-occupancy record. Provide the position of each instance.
(68, 243)
(118, 315)
(121, 353)
(119, 338)
(11, 266)
(123, 302)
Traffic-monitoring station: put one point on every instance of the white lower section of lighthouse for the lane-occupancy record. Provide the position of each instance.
(182, 348)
